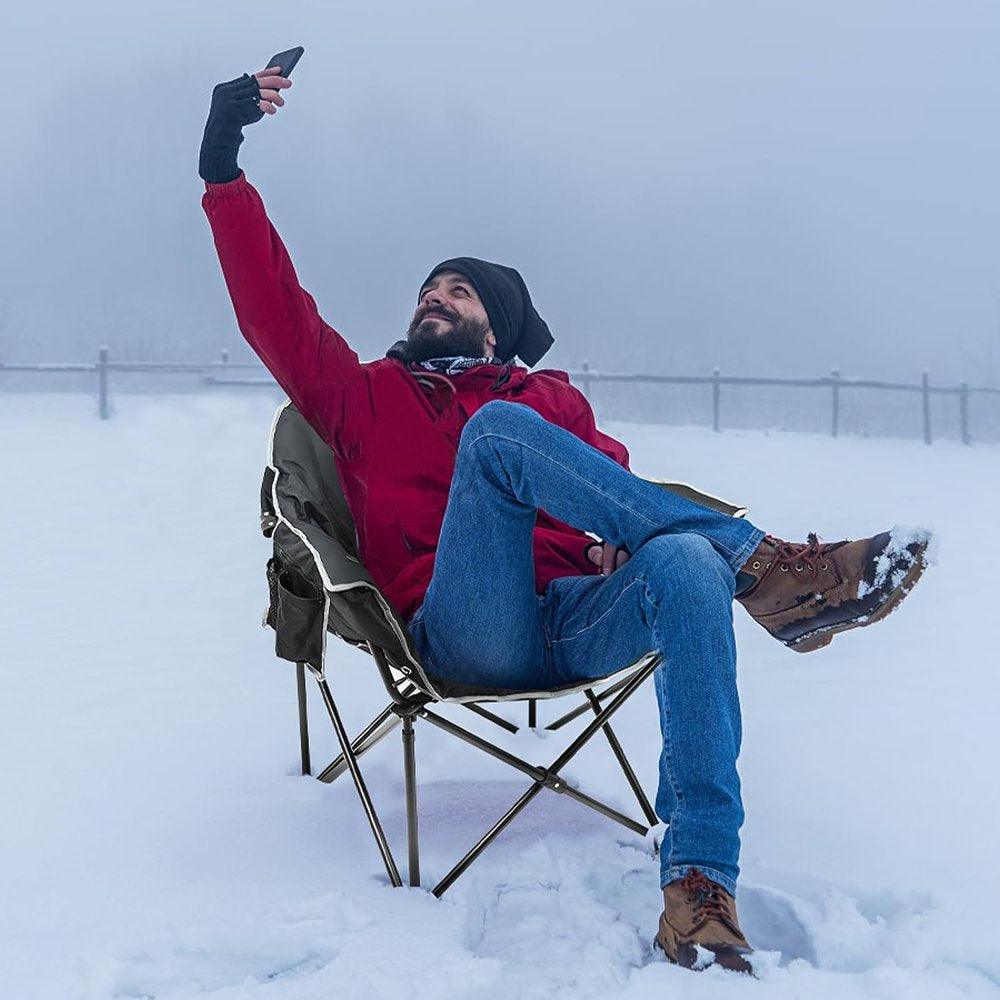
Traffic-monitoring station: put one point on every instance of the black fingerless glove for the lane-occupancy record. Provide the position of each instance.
(234, 104)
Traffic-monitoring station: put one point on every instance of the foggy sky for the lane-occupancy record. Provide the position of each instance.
(771, 187)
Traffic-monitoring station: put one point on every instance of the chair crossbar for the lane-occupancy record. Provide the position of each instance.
(380, 727)
(492, 716)
(582, 709)
(544, 776)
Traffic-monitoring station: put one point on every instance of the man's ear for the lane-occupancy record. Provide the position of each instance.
(491, 338)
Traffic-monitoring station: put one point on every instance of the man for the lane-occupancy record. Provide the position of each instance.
(474, 484)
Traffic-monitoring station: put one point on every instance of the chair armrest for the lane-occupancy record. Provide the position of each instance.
(692, 493)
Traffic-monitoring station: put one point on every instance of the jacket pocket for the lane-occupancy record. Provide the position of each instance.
(296, 617)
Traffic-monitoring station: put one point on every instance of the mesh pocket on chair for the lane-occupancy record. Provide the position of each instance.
(296, 617)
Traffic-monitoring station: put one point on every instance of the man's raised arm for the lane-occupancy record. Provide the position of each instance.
(275, 314)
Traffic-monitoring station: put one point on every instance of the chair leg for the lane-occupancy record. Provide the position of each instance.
(410, 779)
(300, 684)
(359, 784)
(532, 713)
(630, 777)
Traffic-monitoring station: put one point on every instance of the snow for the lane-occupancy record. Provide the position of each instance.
(158, 841)
(897, 559)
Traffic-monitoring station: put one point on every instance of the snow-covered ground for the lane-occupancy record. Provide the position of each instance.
(158, 842)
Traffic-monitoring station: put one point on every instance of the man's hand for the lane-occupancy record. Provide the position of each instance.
(270, 83)
(609, 557)
(246, 99)
(235, 104)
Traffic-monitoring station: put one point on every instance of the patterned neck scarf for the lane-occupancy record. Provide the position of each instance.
(455, 363)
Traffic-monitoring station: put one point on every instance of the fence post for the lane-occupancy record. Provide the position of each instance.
(963, 410)
(586, 378)
(716, 388)
(835, 419)
(103, 409)
(926, 388)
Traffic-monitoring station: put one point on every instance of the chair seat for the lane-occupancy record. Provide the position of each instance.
(457, 692)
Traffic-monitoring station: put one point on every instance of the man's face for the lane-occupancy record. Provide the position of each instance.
(450, 319)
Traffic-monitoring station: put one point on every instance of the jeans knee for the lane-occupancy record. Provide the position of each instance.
(689, 561)
(496, 413)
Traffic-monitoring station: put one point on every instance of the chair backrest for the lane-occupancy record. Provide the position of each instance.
(316, 581)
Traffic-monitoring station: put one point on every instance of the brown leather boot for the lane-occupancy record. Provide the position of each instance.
(805, 593)
(699, 912)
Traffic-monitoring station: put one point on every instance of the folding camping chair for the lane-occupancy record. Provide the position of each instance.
(317, 585)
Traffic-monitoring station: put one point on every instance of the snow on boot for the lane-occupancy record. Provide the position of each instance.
(805, 593)
(698, 926)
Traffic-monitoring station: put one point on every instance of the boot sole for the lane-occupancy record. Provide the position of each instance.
(687, 956)
(824, 636)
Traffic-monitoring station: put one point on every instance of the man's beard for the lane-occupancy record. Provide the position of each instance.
(460, 336)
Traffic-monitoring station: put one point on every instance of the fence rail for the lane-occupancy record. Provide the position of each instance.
(586, 378)
(835, 382)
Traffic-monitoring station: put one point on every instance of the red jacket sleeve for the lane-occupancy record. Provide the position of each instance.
(278, 318)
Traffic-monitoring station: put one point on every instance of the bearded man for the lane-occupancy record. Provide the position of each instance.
(478, 489)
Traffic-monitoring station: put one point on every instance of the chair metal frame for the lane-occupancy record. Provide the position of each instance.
(317, 543)
(409, 704)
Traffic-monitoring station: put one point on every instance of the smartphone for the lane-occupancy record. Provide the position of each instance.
(286, 60)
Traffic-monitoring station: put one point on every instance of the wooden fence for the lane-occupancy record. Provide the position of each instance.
(834, 383)
(586, 379)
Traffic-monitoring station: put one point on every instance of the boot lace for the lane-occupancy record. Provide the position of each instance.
(707, 897)
(799, 556)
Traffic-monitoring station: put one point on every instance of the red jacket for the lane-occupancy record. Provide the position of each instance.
(394, 436)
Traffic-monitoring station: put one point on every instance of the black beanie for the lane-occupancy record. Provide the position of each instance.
(517, 326)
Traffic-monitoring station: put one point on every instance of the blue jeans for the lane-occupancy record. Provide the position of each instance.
(482, 622)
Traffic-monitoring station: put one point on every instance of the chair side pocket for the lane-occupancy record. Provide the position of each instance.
(297, 620)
